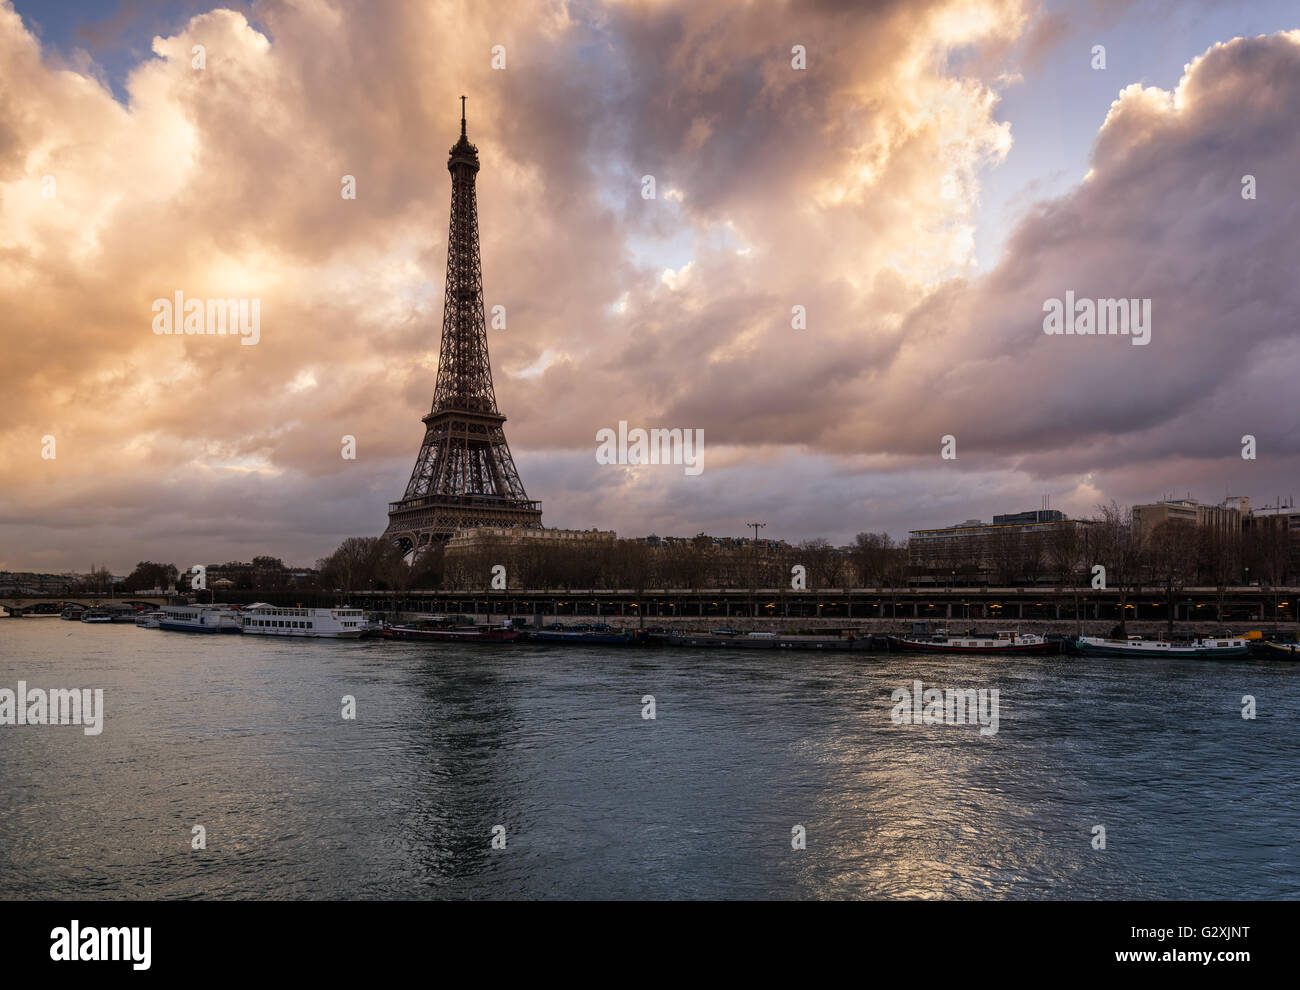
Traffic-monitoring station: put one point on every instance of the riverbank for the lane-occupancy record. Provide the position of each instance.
(898, 627)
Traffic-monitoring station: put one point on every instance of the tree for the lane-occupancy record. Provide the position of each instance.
(1032, 553)
(872, 554)
(1170, 553)
(427, 567)
(100, 579)
(148, 575)
(825, 564)
(1118, 548)
(1219, 562)
(1066, 551)
(352, 565)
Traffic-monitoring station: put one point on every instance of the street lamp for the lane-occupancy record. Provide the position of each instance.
(755, 526)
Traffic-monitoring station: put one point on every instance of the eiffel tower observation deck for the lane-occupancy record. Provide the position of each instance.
(464, 475)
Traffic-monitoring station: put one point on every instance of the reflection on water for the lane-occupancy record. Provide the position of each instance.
(245, 737)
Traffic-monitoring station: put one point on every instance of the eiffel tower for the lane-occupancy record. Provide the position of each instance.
(464, 475)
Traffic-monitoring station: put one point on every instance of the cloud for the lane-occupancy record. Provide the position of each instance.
(849, 188)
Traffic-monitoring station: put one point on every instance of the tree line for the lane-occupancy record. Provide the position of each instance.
(1169, 557)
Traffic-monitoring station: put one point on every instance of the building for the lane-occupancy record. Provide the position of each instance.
(1014, 545)
(482, 537)
(1032, 516)
(1271, 543)
(1226, 517)
(30, 583)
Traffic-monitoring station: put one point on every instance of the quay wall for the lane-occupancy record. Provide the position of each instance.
(885, 627)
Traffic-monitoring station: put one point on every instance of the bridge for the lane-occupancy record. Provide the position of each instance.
(14, 606)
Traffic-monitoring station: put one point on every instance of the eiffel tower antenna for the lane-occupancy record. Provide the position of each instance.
(464, 475)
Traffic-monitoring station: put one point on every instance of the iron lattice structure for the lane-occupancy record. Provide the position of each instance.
(464, 475)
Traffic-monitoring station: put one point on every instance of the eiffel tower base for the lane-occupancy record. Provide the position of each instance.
(415, 524)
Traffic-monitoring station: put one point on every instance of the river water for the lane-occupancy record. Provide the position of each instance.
(245, 737)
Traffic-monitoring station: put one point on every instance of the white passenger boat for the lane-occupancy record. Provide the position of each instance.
(1134, 646)
(149, 620)
(95, 615)
(261, 619)
(200, 619)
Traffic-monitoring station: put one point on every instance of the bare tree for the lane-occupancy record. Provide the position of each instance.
(1219, 562)
(1170, 553)
(1119, 549)
(871, 553)
(1005, 549)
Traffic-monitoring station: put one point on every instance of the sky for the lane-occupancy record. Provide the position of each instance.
(934, 175)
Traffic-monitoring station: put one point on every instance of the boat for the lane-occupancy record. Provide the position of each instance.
(263, 619)
(1278, 651)
(589, 634)
(1003, 641)
(374, 625)
(1135, 646)
(95, 615)
(72, 612)
(440, 627)
(200, 619)
(771, 641)
(149, 620)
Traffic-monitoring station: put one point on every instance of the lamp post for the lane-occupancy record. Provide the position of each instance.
(755, 526)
